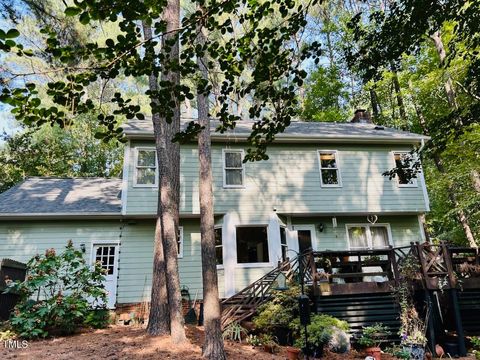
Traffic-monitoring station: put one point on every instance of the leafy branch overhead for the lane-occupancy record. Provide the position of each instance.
(254, 59)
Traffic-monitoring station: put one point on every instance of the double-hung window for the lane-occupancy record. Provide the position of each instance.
(233, 168)
(367, 236)
(402, 160)
(329, 171)
(146, 167)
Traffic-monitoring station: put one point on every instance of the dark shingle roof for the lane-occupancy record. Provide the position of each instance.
(40, 195)
(296, 131)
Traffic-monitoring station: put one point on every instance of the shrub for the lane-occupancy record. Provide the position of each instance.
(66, 291)
(279, 312)
(321, 331)
(372, 336)
(234, 332)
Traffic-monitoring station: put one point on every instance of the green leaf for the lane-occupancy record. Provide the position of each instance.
(12, 34)
(84, 18)
(72, 11)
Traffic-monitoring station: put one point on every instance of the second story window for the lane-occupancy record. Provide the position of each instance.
(329, 171)
(233, 169)
(145, 167)
(402, 163)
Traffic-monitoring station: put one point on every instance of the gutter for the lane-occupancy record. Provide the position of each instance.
(283, 138)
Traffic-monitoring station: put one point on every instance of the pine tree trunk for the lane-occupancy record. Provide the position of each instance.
(398, 94)
(169, 176)
(451, 96)
(213, 348)
(159, 316)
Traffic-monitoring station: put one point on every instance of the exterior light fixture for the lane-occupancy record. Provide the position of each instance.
(83, 248)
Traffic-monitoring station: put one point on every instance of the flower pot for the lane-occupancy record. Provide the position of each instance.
(416, 351)
(375, 352)
(292, 353)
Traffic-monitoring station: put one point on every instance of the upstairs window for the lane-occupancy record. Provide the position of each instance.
(252, 244)
(401, 163)
(233, 169)
(146, 167)
(329, 172)
(368, 236)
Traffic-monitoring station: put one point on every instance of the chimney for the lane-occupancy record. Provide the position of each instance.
(361, 117)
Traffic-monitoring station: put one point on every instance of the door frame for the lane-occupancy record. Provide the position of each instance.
(313, 233)
(115, 243)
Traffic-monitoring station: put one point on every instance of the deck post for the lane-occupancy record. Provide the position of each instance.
(430, 322)
(458, 322)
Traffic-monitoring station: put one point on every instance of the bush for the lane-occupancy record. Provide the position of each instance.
(67, 292)
(279, 312)
(372, 336)
(321, 332)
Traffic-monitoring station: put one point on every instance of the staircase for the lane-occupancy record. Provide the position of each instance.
(245, 303)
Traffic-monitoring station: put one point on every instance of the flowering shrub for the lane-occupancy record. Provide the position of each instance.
(59, 294)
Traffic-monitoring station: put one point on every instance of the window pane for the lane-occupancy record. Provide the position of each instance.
(233, 159)
(330, 177)
(233, 177)
(328, 160)
(218, 246)
(379, 236)
(283, 243)
(358, 237)
(400, 165)
(146, 176)
(252, 245)
(146, 158)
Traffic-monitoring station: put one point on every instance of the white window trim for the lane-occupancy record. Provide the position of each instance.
(225, 185)
(282, 226)
(135, 167)
(337, 162)
(255, 264)
(180, 252)
(369, 235)
(221, 266)
(414, 184)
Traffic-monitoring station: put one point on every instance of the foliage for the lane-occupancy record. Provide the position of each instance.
(234, 332)
(320, 330)
(278, 312)
(66, 291)
(97, 318)
(51, 151)
(253, 340)
(372, 336)
(326, 96)
(268, 340)
(7, 335)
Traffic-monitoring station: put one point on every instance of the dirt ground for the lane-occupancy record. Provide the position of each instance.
(129, 342)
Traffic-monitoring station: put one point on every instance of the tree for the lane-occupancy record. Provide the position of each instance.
(254, 63)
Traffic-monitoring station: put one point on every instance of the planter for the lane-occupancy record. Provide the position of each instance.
(292, 353)
(416, 351)
(375, 352)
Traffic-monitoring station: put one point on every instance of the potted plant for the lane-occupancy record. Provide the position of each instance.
(371, 338)
(292, 353)
(269, 343)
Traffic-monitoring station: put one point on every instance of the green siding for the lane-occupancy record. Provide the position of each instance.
(290, 182)
(404, 229)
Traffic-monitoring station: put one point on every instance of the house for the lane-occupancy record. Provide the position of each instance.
(321, 188)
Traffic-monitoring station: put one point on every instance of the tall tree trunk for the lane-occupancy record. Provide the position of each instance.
(452, 101)
(159, 317)
(213, 348)
(398, 94)
(462, 218)
(169, 166)
(375, 104)
(450, 91)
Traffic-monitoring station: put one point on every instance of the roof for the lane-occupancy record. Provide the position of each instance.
(37, 196)
(297, 131)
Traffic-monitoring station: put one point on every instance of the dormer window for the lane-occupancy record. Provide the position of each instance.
(146, 167)
(402, 163)
(329, 171)
(233, 168)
